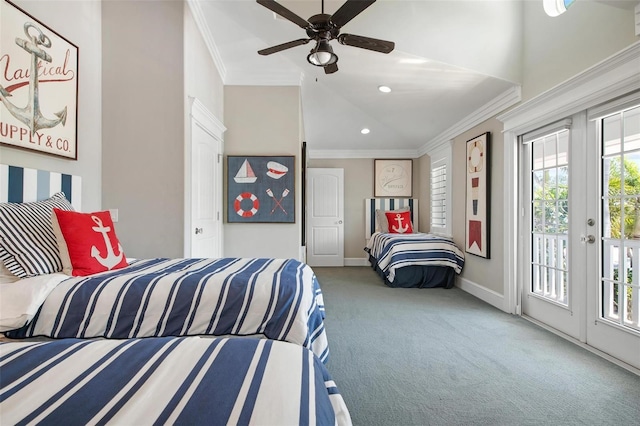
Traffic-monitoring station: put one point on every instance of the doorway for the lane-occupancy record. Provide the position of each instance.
(580, 228)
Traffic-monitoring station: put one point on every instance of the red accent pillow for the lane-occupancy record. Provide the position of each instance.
(88, 243)
(399, 222)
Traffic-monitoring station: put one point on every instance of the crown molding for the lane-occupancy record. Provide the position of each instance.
(380, 153)
(201, 22)
(615, 76)
(201, 114)
(506, 99)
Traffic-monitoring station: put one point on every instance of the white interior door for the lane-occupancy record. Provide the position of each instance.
(203, 227)
(325, 217)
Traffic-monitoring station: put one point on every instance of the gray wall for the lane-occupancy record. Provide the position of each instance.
(143, 115)
(80, 23)
(263, 120)
(556, 49)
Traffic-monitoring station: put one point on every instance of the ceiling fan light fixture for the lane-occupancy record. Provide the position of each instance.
(322, 54)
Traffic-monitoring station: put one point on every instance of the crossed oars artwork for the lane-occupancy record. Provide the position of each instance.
(276, 202)
(252, 180)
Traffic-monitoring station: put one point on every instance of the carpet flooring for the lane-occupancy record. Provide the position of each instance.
(443, 357)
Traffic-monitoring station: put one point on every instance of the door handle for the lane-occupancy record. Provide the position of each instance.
(199, 231)
(588, 239)
(339, 222)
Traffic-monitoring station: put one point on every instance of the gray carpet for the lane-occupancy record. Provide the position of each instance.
(444, 357)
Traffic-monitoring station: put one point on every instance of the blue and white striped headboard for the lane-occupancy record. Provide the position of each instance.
(372, 204)
(23, 185)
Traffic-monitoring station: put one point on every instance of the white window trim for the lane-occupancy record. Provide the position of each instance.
(614, 77)
(442, 155)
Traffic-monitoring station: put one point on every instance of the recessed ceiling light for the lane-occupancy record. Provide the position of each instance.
(384, 89)
(365, 131)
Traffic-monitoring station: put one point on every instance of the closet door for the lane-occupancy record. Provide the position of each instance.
(203, 185)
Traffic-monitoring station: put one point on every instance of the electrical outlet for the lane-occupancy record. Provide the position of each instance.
(114, 215)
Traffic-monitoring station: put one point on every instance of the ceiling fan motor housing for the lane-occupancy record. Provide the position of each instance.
(322, 27)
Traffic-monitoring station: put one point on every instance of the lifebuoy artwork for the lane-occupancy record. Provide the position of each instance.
(260, 189)
(477, 196)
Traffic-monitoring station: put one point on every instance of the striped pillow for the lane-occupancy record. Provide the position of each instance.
(28, 245)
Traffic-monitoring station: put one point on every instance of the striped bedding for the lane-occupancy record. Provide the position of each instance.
(394, 251)
(278, 298)
(166, 380)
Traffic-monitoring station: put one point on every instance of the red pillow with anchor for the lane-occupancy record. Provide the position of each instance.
(88, 243)
(399, 223)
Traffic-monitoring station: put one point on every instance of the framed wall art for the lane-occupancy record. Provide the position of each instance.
(477, 196)
(260, 189)
(392, 178)
(38, 85)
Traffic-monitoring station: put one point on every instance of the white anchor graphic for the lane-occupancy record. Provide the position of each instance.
(399, 228)
(31, 114)
(111, 259)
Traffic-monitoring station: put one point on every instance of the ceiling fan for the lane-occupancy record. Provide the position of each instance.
(323, 28)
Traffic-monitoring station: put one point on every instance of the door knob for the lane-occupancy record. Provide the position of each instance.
(588, 239)
(199, 231)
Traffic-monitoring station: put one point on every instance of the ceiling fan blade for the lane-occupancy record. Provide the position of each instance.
(349, 10)
(331, 68)
(283, 46)
(368, 43)
(284, 12)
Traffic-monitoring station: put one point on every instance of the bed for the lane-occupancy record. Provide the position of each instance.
(276, 298)
(67, 276)
(166, 380)
(408, 258)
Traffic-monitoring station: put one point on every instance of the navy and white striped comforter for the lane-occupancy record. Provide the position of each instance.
(393, 251)
(278, 298)
(166, 380)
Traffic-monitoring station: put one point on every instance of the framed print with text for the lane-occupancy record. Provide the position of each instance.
(392, 178)
(38, 85)
(477, 196)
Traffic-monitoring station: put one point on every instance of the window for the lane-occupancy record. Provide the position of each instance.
(441, 190)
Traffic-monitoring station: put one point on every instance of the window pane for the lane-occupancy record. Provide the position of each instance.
(550, 159)
(632, 174)
(538, 155)
(611, 135)
(632, 129)
(563, 148)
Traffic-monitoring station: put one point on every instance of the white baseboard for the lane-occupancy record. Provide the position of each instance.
(482, 293)
(356, 261)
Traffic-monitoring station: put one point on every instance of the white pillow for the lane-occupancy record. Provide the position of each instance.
(19, 303)
(382, 225)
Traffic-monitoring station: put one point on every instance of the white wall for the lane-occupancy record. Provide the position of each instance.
(263, 120)
(80, 23)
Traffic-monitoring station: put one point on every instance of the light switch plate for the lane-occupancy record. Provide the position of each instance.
(114, 215)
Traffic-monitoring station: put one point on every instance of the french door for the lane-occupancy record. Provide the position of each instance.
(580, 229)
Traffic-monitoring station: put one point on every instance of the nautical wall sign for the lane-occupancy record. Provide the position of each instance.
(260, 189)
(478, 198)
(38, 85)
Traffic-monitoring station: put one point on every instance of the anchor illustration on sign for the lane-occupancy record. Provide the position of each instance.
(399, 228)
(30, 114)
(111, 259)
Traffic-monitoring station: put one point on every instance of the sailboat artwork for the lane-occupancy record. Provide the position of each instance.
(245, 173)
